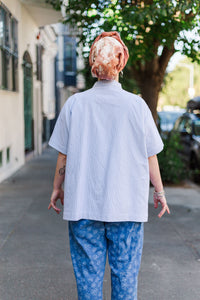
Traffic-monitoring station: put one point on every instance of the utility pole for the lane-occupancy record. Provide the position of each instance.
(191, 90)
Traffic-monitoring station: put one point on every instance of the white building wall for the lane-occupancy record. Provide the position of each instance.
(48, 41)
(48, 86)
(11, 113)
(28, 33)
(12, 103)
(37, 115)
(80, 66)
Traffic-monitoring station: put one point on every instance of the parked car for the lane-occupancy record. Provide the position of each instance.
(188, 126)
(167, 120)
(194, 105)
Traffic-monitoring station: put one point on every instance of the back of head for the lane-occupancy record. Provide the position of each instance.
(108, 55)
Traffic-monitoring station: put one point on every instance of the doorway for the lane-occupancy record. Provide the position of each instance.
(28, 102)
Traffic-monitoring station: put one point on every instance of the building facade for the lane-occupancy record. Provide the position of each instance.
(27, 80)
(68, 65)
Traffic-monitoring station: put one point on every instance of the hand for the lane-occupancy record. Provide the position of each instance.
(160, 197)
(56, 194)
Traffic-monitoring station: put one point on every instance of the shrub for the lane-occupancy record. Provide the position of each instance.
(172, 167)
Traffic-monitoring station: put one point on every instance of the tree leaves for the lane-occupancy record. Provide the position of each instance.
(144, 25)
(152, 30)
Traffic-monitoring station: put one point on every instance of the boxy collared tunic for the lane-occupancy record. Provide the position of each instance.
(107, 134)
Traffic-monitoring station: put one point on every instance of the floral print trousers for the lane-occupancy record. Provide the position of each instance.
(90, 241)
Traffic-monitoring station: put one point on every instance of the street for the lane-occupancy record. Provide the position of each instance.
(34, 249)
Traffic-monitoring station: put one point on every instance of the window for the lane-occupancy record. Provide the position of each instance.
(2, 22)
(8, 50)
(188, 126)
(69, 61)
(185, 126)
(1, 158)
(39, 50)
(69, 57)
(197, 127)
(8, 155)
(181, 125)
(176, 126)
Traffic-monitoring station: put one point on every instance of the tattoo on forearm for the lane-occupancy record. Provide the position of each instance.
(62, 171)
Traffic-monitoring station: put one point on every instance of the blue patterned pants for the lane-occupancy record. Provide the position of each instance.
(90, 241)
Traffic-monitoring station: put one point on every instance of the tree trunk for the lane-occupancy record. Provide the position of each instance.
(149, 84)
(150, 88)
(149, 77)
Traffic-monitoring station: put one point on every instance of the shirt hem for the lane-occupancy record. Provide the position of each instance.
(105, 219)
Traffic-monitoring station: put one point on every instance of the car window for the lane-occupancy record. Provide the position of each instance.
(177, 123)
(197, 127)
(168, 119)
(188, 126)
(181, 125)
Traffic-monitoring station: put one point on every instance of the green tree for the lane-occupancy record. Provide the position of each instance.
(172, 168)
(151, 29)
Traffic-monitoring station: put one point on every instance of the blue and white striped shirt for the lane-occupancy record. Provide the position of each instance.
(107, 134)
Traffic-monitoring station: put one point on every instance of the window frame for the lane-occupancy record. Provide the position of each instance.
(180, 126)
(70, 68)
(9, 67)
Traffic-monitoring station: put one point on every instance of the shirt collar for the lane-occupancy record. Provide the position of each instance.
(107, 84)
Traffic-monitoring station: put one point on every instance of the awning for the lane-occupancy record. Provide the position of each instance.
(42, 12)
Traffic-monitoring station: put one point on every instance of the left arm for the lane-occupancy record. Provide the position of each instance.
(159, 195)
(59, 177)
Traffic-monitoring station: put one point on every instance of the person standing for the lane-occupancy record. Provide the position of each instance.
(107, 142)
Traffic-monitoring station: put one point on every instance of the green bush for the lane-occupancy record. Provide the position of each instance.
(172, 167)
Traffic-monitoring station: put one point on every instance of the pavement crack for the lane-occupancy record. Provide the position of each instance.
(14, 227)
(6, 239)
(194, 248)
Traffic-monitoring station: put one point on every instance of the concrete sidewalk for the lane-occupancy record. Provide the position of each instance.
(34, 250)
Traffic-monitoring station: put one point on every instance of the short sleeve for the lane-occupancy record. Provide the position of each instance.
(154, 143)
(60, 135)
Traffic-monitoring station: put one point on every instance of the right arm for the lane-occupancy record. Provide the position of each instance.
(59, 177)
